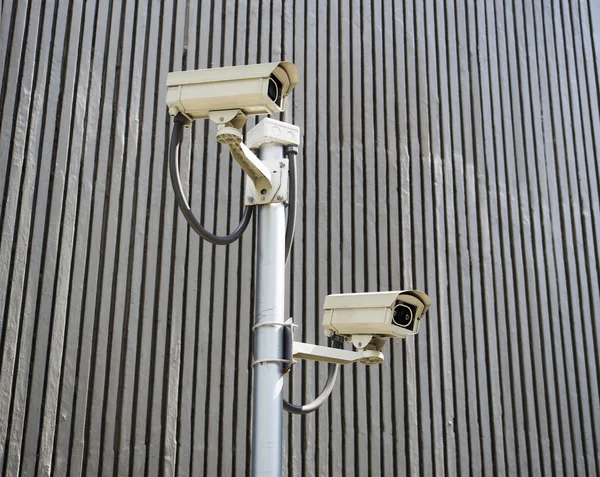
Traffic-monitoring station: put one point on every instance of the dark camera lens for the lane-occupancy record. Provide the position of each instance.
(274, 90)
(403, 315)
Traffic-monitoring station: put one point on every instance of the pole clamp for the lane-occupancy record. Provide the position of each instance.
(287, 360)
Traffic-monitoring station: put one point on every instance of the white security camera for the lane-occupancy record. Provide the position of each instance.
(369, 319)
(251, 89)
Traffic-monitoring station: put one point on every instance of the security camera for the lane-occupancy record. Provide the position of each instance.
(369, 319)
(251, 89)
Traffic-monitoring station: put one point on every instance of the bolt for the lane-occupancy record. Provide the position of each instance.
(221, 119)
(281, 165)
(263, 191)
(250, 199)
(359, 344)
(279, 197)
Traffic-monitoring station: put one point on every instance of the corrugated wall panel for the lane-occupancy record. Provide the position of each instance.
(449, 146)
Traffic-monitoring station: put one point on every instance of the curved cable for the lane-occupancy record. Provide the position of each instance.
(289, 240)
(176, 138)
(323, 396)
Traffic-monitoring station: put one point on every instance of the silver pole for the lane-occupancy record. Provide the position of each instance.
(268, 335)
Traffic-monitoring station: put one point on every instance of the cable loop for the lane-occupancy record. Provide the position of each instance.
(323, 396)
(176, 137)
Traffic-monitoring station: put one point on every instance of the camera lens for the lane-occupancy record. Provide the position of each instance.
(403, 316)
(274, 90)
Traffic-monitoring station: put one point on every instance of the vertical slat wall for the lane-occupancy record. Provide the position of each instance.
(448, 145)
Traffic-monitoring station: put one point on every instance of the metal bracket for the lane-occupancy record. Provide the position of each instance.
(334, 355)
(288, 345)
(256, 170)
(276, 191)
(271, 131)
(287, 360)
(262, 185)
(328, 354)
(269, 323)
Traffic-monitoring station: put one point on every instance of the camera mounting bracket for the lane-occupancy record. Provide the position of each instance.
(262, 185)
(333, 355)
(229, 117)
(271, 133)
(255, 169)
(229, 123)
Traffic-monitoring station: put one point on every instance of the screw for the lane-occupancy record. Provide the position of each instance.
(250, 199)
(221, 119)
(263, 191)
(279, 197)
(359, 344)
(282, 165)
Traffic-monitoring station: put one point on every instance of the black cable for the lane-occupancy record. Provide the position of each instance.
(289, 240)
(176, 138)
(323, 396)
(291, 213)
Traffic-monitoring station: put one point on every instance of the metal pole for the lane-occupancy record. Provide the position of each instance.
(268, 333)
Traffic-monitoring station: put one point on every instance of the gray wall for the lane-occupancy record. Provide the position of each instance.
(448, 145)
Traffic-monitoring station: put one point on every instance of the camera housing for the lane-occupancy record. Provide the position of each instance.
(369, 319)
(252, 89)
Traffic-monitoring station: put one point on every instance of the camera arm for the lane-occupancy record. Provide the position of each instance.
(333, 355)
(228, 133)
(267, 179)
